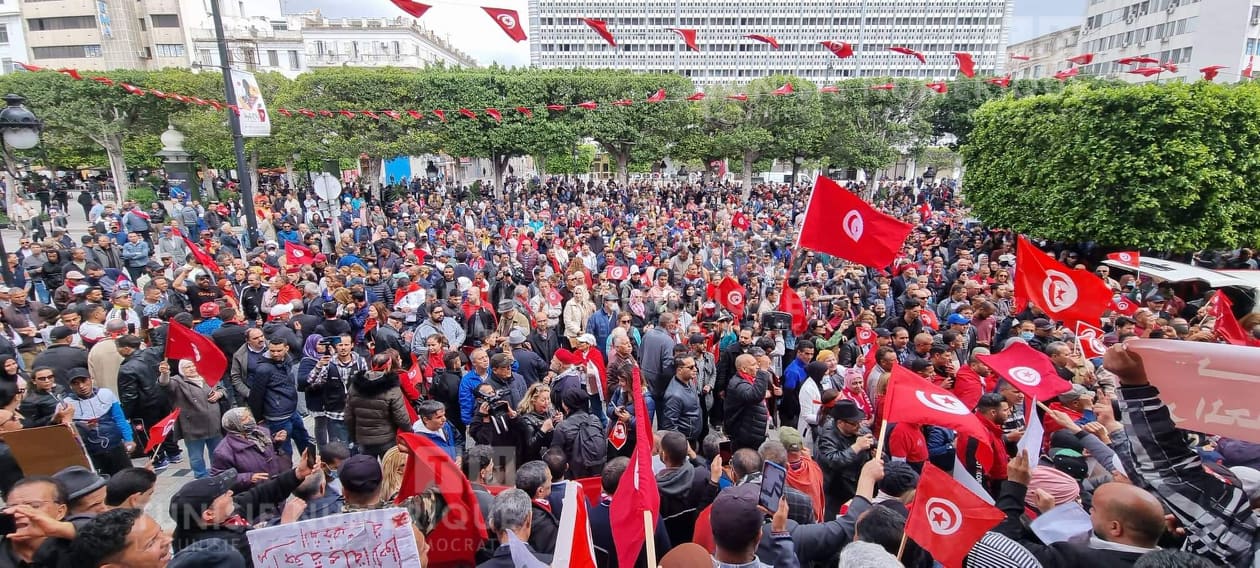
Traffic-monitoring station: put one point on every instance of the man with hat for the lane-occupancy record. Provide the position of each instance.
(141, 396)
(682, 412)
(61, 356)
(1042, 330)
(207, 508)
(85, 490)
(844, 445)
(64, 295)
(531, 367)
(511, 317)
(102, 426)
(1076, 404)
(803, 473)
(389, 336)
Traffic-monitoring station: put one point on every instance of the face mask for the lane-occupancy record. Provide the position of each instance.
(1026, 335)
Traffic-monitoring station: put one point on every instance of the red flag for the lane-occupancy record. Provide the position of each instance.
(769, 40)
(1028, 370)
(197, 101)
(525, 111)
(575, 547)
(468, 113)
(738, 97)
(966, 63)
(441, 114)
(415, 9)
(1131, 259)
(295, 254)
(884, 87)
(161, 429)
(30, 67)
(622, 102)
(1123, 306)
(462, 529)
(1246, 72)
(866, 336)
(324, 113)
(928, 317)
(72, 73)
(729, 294)
(689, 37)
(913, 399)
(306, 112)
(910, 52)
(829, 89)
(1022, 57)
(184, 343)
(1064, 293)
(588, 105)
(137, 91)
(618, 273)
(1136, 60)
(786, 89)
(370, 114)
(180, 98)
(216, 105)
(495, 114)
(237, 110)
(1090, 340)
(636, 498)
(840, 49)
(106, 81)
(392, 114)
(941, 87)
(1003, 82)
(601, 28)
(696, 97)
(556, 108)
(1227, 326)
(1146, 71)
(1170, 66)
(867, 236)
(346, 113)
(415, 114)
(1082, 59)
(509, 20)
(284, 111)
(657, 97)
(203, 258)
(790, 302)
(1068, 74)
(1209, 72)
(159, 94)
(740, 221)
(618, 436)
(947, 519)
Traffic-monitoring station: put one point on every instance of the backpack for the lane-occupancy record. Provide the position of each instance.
(590, 444)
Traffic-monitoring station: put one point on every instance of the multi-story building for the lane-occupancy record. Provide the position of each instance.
(100, 34)
(373, 42)
(258, 34)
(1189, 33)
(12, 36)
(645, 42)
(1047, 54)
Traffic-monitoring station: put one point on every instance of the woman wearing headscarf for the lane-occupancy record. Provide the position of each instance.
(638, 309)
(249, 448)
(576, 313)
(810, 396)
(314, 353)
(9, 370)
(855, 390)
(199, 414)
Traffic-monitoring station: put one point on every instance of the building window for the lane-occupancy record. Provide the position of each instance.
(4, 33)
(143, 25)
(273, 58)
(294, 63)
(165, 20)
(170, 50)
(146, 53)
(66, 52)
(63, 23)
(280, 25)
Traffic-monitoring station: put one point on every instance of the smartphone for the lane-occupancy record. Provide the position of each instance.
(773, 477)
(8, 524)
(724, 452)
(309, 456)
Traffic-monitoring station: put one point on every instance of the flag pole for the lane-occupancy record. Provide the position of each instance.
(902, 548)
(883, 435)
(650, 538)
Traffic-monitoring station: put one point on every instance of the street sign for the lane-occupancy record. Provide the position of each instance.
(327, 187)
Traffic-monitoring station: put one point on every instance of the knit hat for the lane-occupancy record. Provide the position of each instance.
(1061, 486)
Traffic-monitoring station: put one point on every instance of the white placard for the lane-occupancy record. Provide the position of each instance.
(254, 117)
(380, 538)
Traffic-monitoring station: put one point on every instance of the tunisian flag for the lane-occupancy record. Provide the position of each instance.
(295, 254)
(415, 9)
(867, 236)
(509, 21)
(947, 519)
(462, 529)
(1227, 326)
(790, 302)
(1090, 340)
(913, 399)
(184, 343)
(203, 258)
(1064, 293)
(636, 504)
(1028, 370)
(730, 295)
(740, 221)
(601, 28)
(1131, 259)
(160, 430)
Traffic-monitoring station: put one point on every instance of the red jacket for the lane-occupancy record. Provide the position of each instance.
(906, 441)
(988, 456)
(969, 386)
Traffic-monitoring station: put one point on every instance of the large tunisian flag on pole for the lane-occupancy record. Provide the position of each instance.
(184, 343)
(1028, 370)
(636, 504)
(866, 236)
(462, 529)
(946, 519)
(1064, 293)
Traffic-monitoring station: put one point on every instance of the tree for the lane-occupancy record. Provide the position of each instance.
(562, 162)
(954, 110)
(641, 131)
(870, 128)
(1168, 167)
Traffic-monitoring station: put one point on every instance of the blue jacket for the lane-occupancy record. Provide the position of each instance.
(794, 374)
(601, 324)
(136, 254)
(291, 236)
(446, 441)
(280, 390)
(468, 395)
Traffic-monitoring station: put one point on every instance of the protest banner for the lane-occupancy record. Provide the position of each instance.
(380, 538)
(1208, 387)
(46, 450)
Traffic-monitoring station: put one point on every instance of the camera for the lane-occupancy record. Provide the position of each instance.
(498, 403)
(330, 341)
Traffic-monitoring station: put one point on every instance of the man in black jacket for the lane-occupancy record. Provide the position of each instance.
(61, 357)
(844, 445)
(534, 478)
(747, 418)
(726, 370)
(687, 485)
(141, 396)
(206, 508)
(389, 336)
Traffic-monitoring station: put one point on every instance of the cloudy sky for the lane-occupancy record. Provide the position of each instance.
(479, 36)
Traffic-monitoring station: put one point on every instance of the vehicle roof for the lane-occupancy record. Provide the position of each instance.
(1174, 271)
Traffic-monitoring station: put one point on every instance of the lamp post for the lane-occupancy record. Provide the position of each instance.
(20, 129)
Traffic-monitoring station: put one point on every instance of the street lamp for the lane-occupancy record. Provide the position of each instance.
(20, 129)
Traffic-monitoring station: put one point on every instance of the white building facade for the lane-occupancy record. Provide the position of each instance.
(12, 36)
(1047, 54)
(258, 33)
(937, 28)
(374, 42)
(1189, 33)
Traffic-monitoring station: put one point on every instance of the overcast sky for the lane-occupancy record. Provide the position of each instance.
(479, 36)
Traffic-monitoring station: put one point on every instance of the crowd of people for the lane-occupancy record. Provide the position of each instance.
(509, 330)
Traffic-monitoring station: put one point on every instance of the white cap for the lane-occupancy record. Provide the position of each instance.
(281, 309)
(586, 338)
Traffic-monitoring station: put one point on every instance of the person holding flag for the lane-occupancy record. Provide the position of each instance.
(197, 402)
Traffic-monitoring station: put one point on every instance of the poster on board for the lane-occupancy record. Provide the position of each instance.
(255, 121)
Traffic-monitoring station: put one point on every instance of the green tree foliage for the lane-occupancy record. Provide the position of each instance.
(869, 128)
(954, 110)
(1167, 167)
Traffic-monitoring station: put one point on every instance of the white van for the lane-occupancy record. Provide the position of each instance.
(1193, 282)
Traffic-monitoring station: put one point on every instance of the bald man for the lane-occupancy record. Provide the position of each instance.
(747, 417)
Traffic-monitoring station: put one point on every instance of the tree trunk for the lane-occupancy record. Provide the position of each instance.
(749, 158)
(289, 171)
(623, 166)
(252, 164)
(207, 182)
(498, 165)
(540, 162)
(117, 166)
(371, 179)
